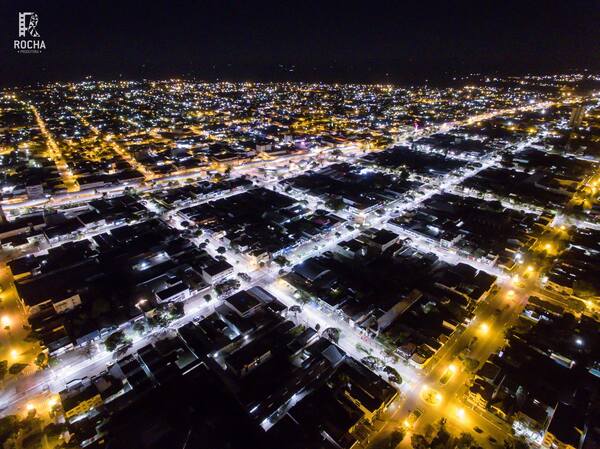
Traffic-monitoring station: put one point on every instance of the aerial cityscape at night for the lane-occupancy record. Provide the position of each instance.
(225, 261)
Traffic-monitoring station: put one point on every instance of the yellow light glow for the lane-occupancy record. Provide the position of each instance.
(452, 368)
(548, 246)
(29, 407)
(484, 328)
(52, 402)
(529, 268)
(5, 320)
(460, 413)
(14, 353)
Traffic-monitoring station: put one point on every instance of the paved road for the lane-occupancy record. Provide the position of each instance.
(77, 366)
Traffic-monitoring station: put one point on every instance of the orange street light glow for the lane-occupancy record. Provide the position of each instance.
(5, 320)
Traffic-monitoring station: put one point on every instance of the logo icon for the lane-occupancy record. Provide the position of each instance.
(29, 37)
(27, 24)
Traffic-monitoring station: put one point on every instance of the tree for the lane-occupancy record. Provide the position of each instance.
(465, 441)
(419, 442)
(221, 250)
(302, 296)
(139, 327)
(114, 340)
(396, 437)
(360, 347)
(441, 438)
(335, 204)
(16, 368)
(281, 261)
(3, 369)
(158, 320)
(584, 289)
(470, 364)
(332, 333)
(177, 310)
(8, 426)
(40, 360)
(207, 297)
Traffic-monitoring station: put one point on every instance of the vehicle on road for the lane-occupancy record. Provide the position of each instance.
(373, 363)
(449, 373)
(412, 418)
(477, 429)
(245, 276)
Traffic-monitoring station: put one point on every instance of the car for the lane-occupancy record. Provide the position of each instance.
(412, 418)
(477, 429)
(472, 342)
(245, 276)
(373, 363)
(492, 440)
(394, 379)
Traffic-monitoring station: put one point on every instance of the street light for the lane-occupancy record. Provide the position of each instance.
(484, 328)
(5, 320)
(460, 413)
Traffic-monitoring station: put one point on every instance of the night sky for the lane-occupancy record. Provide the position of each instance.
(373, 41)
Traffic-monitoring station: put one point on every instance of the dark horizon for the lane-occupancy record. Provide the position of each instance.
(267, 41)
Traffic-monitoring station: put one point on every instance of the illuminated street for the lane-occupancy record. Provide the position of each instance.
(308, 227)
